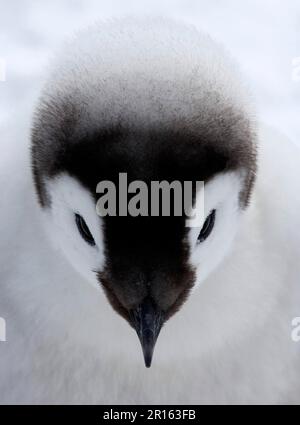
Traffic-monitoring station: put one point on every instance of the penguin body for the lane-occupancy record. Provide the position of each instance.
(230, 342)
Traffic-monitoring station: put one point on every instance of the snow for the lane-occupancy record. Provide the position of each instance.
(263, 35)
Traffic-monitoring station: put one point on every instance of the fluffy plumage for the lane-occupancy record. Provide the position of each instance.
(173, 110)
(144, 77)
(231, 341)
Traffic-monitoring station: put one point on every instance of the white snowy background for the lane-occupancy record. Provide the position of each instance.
(264, 36)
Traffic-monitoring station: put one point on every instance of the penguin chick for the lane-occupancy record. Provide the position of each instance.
(160, 101)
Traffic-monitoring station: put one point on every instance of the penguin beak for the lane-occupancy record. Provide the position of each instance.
(147, 319)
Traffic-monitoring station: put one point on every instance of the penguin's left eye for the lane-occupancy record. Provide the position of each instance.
(207, 227)
(84, 230)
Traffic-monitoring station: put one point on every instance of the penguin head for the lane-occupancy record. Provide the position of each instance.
(156, 101)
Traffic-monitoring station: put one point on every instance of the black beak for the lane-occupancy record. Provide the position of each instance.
(147, 320)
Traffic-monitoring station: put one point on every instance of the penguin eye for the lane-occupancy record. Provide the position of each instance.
(207, 227)
(84, 230)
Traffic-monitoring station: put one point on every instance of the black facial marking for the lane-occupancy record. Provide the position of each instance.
(145, 256)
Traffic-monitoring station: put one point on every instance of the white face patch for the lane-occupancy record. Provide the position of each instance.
(222, 195)
(68, 197)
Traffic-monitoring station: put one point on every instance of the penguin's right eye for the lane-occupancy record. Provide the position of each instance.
(84, 230)
(207, 227)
